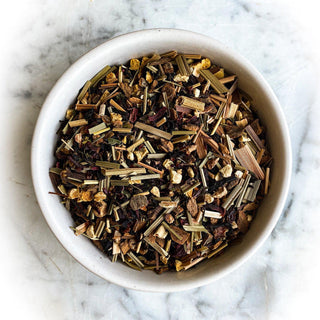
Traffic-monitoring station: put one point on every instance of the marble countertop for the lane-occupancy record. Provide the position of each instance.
(42, 281)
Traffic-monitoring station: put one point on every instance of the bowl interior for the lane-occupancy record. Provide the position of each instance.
(119, 50)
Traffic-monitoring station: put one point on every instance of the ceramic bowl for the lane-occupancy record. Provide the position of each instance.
(120, 50)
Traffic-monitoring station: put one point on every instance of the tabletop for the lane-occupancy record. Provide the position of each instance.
(41, 280)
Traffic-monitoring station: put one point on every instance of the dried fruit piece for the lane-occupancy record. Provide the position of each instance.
(220, 193)
(178, 235)
(161, 232)
(101, 209)
(192, 207)
(74, 193)
(226, 171)
(100, 196)
(134, 64)
(155, 191)
(169, 218)
(138, 202)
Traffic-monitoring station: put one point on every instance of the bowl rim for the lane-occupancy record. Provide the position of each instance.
(281, 198)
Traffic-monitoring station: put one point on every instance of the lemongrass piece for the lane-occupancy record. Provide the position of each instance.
(89, 182)
(83, 107)
(205, 160)
(152, 68)
(171, 230)
(101, 131)
(220, 111)
(254, 137)
(232, 196)
(214, 81)
(124, 171)
(153, 130)
(149, 147)
(156, 247)
(181, 66)
(116, 105)
(154, 225)
(162, 198)
(243, 191)
(181, 139)
(230, 147)
(191, 103)
(216, 126)
(122, 130)
(161, 122)
(55, 170)
(146, 177)
(227, 79)
(78, 123)
(254, 191)
(135, 259)
(248, 161)
(197, 184)
(232, 110)
(156, 155)
(217, 97)
(195, 228)
(84, 90)
(97, 128)
(102, 73)
(214, 252)
(119, 182)
(179, 133)
(203, 178)
(145, 100)
(212, 214)
(100, 229)
(102, 110)
(67, 144)
(136, 144)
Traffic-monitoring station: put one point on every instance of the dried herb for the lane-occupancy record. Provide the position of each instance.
(162, 162)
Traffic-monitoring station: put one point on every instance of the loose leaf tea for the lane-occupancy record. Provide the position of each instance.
(162, 162)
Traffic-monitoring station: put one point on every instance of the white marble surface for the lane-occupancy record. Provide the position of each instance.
(40, 39)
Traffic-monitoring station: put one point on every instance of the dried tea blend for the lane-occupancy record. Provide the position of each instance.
(162, 162)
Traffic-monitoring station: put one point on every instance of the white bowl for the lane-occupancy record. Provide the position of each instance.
(120, 50)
